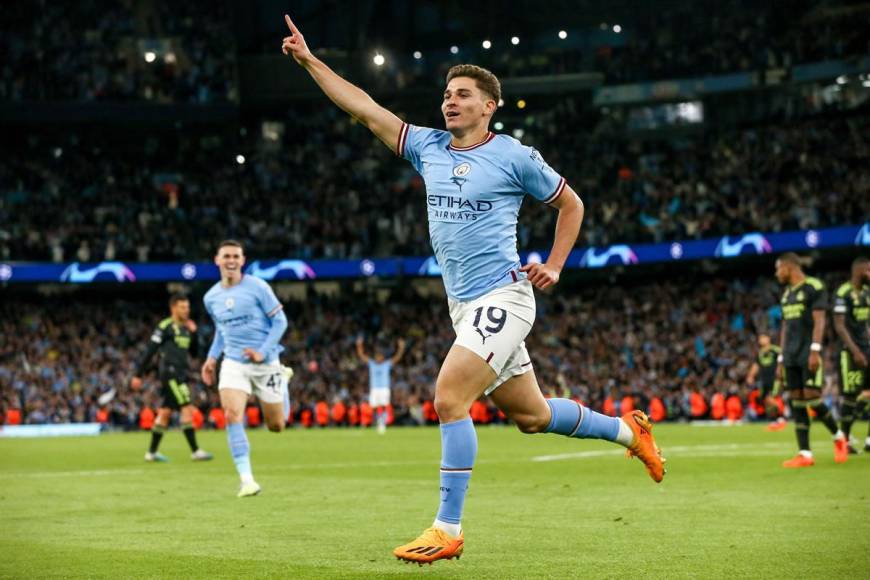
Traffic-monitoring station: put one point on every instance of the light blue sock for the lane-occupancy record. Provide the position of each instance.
(239, 448)
(458, 451)
(574, 420)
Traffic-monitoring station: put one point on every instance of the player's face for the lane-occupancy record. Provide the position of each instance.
(763, 341)
(464, 105)
(230, 260)
(783, 269)
(181, 310)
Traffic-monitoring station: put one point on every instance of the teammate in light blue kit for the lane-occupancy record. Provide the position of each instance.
(475, 183)
(380, 368)
(249, 322)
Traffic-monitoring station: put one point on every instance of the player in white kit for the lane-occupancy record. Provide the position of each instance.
(475, 183)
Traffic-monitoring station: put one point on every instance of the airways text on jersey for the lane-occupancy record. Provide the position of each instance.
(456, 209)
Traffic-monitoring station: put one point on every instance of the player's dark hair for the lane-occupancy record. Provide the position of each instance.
(860, 261)
(232, 243)
(485, 80)
(177, 297)
(792, 258)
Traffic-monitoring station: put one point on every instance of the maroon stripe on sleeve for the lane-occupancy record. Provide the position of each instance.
(559, 189)
(403, 137)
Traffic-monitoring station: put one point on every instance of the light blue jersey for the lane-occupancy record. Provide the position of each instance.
(379, 374)
(474, 195)
(247, 315)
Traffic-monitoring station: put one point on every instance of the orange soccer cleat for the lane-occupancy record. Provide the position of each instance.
(433, 544)
(841, 450)
(643, 446)
(776, 425)
(799, 461)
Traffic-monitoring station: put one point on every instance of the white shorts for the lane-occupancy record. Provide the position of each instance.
(495, 326)
(267, 381)
(379, 398)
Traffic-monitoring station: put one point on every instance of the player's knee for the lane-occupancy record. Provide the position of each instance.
(233, 415)
(449, 408)
(163, 417)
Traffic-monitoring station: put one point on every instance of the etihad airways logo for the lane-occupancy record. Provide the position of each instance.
(76, 274)
(299, 268)
(621, 253)
(756, 242)
(452, 208)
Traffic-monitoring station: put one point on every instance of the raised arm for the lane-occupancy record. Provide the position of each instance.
(400, 351)
(351, 99)
(361, 350)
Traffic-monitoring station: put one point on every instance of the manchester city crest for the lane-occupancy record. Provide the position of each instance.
(459, 173)
(462, 169)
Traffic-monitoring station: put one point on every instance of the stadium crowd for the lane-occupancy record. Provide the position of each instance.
(95, 50)
(105, 50)
(333, 193)
(636, 344)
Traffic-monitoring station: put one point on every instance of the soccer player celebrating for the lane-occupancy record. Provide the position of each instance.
(803, 312)
(764, 368)
(175, 339)
(475, 183)
(249, 322)
(380, 368)
(852, 323)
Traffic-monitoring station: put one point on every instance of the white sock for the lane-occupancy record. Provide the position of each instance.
(807, 454)
(453, 530)
(839, 435)
(625, 435)
(867, 441)
(247, 478)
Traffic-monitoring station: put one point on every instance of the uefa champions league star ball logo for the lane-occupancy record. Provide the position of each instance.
(188, 271)
(229, 303)
(367, 267)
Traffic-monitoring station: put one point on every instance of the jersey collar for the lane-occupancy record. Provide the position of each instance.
(489, 137)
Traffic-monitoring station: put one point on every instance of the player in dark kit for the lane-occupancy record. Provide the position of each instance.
(852, 323)
(804, 304)
(764, 370)
(175, 340)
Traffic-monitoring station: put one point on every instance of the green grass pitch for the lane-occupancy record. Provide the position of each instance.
(335, 503)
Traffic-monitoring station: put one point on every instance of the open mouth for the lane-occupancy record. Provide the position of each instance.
(451, 114)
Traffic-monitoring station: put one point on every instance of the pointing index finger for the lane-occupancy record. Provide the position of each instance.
(290, 24)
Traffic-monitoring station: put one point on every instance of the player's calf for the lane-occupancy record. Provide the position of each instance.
(530, 423)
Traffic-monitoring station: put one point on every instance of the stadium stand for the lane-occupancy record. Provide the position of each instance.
(351, 200)
(606, 345)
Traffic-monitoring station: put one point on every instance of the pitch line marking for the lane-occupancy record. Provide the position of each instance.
(688, 450)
